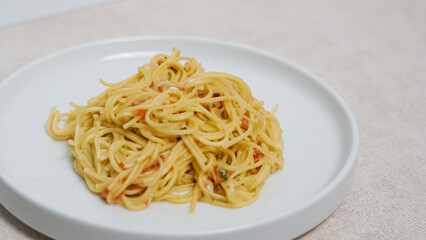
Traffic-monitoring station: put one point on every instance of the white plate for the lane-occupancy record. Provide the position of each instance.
(39, 186)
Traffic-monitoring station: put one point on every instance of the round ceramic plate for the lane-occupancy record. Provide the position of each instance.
(39, 186)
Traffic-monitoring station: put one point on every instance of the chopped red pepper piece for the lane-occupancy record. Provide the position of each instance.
(125, 178)
(154, 165)
(244, 123)
(217, 177)
(139, 112)
(105, 193)
(221, 191)
(121, 165)
(257, 155)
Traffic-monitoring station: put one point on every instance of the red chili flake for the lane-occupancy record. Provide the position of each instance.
(125, 178)
(147, 202)
(121, 165)
(159, 62)
(160, 88)
(182, 88)
(221, 191)
(105, 193)
(244, 123)
(154, 165)
(162, 157)
(139, 112)
(257, 155)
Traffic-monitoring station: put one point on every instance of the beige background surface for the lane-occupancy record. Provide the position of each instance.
(372, 52)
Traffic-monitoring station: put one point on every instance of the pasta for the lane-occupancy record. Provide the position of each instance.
(173, 132)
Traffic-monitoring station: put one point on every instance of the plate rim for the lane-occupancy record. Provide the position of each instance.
(345, 170)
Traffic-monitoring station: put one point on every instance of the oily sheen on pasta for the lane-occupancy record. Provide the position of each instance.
(173, 132)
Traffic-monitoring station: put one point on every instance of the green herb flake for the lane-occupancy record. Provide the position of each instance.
(222, 173)
(185, 69)
(184, 128)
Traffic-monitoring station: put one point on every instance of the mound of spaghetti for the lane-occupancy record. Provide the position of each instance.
(173, 132)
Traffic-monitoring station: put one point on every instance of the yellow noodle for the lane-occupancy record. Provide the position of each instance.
(173, 132)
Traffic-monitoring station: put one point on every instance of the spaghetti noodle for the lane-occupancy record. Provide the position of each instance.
(173, 132)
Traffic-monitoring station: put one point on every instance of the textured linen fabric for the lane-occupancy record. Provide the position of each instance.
(372, 52)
